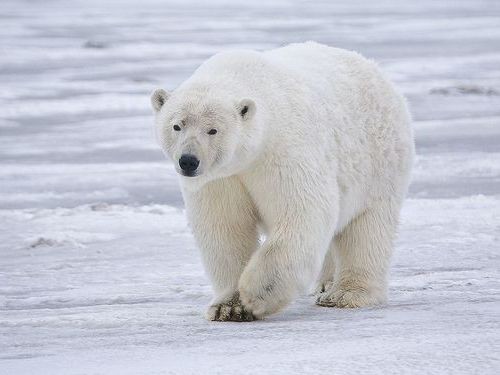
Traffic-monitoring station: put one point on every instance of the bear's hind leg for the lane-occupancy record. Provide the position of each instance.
(363, 251)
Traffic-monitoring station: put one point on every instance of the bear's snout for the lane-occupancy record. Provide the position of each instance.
(189, 164)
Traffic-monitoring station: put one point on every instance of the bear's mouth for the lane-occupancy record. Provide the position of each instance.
(189, 174)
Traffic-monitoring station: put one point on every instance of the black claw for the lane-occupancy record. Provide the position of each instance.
(248, 316)
(236, 316)
(217, 313)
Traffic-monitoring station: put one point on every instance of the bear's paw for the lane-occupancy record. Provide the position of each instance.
(232, 310)
(348, 296)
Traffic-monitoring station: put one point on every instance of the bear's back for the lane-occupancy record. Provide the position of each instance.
(230, 65)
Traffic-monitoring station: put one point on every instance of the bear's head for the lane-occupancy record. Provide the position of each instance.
(206, 134)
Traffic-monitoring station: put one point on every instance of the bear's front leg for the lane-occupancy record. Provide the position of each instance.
(224, 224)
(285, 265)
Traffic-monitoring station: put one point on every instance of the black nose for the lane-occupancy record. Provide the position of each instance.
(188, 163)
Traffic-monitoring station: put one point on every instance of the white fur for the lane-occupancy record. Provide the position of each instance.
(319, 164)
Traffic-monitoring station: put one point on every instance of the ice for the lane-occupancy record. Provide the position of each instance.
(99, 273)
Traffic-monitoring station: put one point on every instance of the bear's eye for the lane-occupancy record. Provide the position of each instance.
(177, 128)
(212, 131)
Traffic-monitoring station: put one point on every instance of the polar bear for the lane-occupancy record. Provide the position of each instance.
(294, 163)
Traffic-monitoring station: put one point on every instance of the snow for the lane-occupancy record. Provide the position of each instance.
(99, 273)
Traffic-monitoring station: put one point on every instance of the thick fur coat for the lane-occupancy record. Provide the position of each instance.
(294, 164)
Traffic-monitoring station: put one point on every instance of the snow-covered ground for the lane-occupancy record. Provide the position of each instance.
(99, 273)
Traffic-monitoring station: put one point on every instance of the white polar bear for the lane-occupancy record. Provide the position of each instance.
(306, 146)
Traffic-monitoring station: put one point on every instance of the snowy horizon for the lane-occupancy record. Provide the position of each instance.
(99, 273)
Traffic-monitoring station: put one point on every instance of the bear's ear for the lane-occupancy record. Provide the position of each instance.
(246, 109)
(158, 98)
